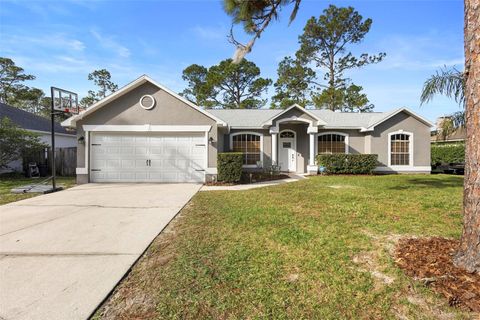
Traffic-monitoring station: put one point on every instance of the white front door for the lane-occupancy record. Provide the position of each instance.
(287, 151)
(147, 157)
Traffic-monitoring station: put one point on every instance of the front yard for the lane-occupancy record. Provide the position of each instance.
(315, 249)
(9, 181)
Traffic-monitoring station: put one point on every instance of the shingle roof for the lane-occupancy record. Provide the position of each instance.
(349, 119)
(29, 121)
(256, 117)
(244, 118)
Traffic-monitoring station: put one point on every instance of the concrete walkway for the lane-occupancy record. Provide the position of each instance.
(62, 253)
(239, 187)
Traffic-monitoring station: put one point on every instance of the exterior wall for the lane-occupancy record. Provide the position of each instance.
(126, 110)
(61, 140)
(81, 178)
(403, 121)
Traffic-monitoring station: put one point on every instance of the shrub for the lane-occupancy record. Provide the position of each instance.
(447, 153)
(229, 165)
(348, 163)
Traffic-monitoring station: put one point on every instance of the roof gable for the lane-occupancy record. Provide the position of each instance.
(269, 122)
(393, 113)
(70, 122)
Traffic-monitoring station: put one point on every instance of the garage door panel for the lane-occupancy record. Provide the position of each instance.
(122, 157)
(128, 164)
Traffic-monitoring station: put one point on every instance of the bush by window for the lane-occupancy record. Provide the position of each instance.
(348, 163)
(229, 166)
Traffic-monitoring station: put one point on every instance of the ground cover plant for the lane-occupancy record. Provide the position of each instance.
(320, 248)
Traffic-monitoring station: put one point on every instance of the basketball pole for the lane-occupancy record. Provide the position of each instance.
(54, 187)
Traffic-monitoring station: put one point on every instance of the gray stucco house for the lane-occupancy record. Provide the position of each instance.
(146, 133)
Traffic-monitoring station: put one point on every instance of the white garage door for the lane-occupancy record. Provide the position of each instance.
(147, 157)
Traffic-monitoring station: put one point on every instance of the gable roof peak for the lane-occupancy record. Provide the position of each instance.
(70, 122)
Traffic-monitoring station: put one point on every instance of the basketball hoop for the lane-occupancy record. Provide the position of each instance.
(64, 101)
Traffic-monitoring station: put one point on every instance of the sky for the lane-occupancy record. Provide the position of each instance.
(60, 42)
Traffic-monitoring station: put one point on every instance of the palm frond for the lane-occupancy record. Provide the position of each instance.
(458, 119)
(447, 82)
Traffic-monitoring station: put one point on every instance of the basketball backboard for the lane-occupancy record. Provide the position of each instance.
(64, 100)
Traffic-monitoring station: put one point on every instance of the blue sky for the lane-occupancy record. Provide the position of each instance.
(62, 41)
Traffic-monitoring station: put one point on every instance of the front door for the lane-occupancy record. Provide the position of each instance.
(287, 151)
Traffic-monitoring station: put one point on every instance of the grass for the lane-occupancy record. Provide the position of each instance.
(314, 249)
(9, 181)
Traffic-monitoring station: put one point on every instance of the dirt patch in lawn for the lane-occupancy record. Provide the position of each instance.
(430, 260)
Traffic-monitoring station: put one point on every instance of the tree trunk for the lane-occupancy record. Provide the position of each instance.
(468, 255)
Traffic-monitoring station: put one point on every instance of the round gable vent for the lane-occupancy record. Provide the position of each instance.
(147, 102)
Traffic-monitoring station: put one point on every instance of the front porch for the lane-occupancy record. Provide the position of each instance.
(294, 146)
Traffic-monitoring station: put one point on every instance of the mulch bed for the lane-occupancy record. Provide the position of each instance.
(256, 177)
(430, 260)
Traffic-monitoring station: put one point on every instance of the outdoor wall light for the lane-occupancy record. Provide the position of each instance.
(81, 140)
(210, 140)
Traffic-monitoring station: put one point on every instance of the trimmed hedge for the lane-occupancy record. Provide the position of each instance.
(447, 153)
(348, 163)
(229, 166)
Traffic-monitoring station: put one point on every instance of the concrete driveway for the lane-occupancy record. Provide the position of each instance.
(62, 253)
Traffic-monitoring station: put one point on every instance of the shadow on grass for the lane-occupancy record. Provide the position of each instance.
(443, 181)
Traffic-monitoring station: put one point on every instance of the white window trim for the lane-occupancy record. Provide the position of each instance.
(410, 151)
(147, 107)
(261, 146)
(347, 144)
(288, 130)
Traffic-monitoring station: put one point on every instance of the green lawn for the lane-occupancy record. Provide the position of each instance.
(315, 249)
(9, 181)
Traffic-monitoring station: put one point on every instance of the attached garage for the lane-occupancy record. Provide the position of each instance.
(144, 132)
(147, 157)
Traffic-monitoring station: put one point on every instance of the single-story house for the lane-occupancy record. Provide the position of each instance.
(144, 132)
(42, 126)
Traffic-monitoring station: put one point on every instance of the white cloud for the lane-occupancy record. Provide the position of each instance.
(210, 33)
(430, 51)
(51, 41)
(109, 42)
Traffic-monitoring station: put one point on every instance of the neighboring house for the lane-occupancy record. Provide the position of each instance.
(145, 132)
(39, 125)
(457, 136)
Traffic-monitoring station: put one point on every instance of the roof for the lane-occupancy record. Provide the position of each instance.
(70, 122)
(457, 136)
(29, 121)
(295, 106)
(245, 118)
(255, 118)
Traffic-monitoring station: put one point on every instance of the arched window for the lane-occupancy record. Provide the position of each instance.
(400, 149)
(287, 134)
(331, 142)
(250, 144)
